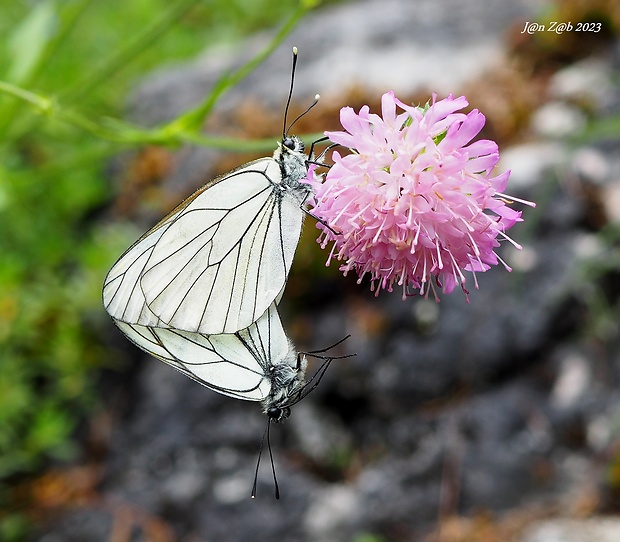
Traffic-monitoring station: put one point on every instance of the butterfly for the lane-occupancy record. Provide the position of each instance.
(258, 363)
(218, 261)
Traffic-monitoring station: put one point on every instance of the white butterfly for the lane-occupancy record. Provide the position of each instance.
(220, 259)
(258, 363)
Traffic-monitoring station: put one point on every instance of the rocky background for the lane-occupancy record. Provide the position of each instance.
(495, 420)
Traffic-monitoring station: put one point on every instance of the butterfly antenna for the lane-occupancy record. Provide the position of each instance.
(260, 452)
(290, 92)
(317, 97)
(273, 465)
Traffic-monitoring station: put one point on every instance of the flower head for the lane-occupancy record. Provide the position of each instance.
(415, 199)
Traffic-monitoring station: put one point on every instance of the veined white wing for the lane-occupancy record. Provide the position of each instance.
(219, 260)
(256, 364)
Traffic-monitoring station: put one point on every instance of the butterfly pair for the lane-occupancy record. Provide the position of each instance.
(200, 289)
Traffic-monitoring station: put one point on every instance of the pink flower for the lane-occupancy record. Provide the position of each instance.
(415, 199)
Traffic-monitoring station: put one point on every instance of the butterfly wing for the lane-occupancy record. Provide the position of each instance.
(235, 364)
(217, 262)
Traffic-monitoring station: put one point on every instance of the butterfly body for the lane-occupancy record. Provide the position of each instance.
(287, 382)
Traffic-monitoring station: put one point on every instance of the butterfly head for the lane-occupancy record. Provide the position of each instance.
(287, 380)
(292, 144)
(277, 414)
(292, 160)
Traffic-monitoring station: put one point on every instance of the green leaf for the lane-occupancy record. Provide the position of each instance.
(28, 41)
(14, 527)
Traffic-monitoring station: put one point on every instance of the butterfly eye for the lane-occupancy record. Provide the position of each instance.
(274, 413)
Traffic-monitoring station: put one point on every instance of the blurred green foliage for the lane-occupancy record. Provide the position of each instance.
(63, 66)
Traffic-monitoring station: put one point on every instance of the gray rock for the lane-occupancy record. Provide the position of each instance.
(588, 80)
(557, 120)
(574, 530)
